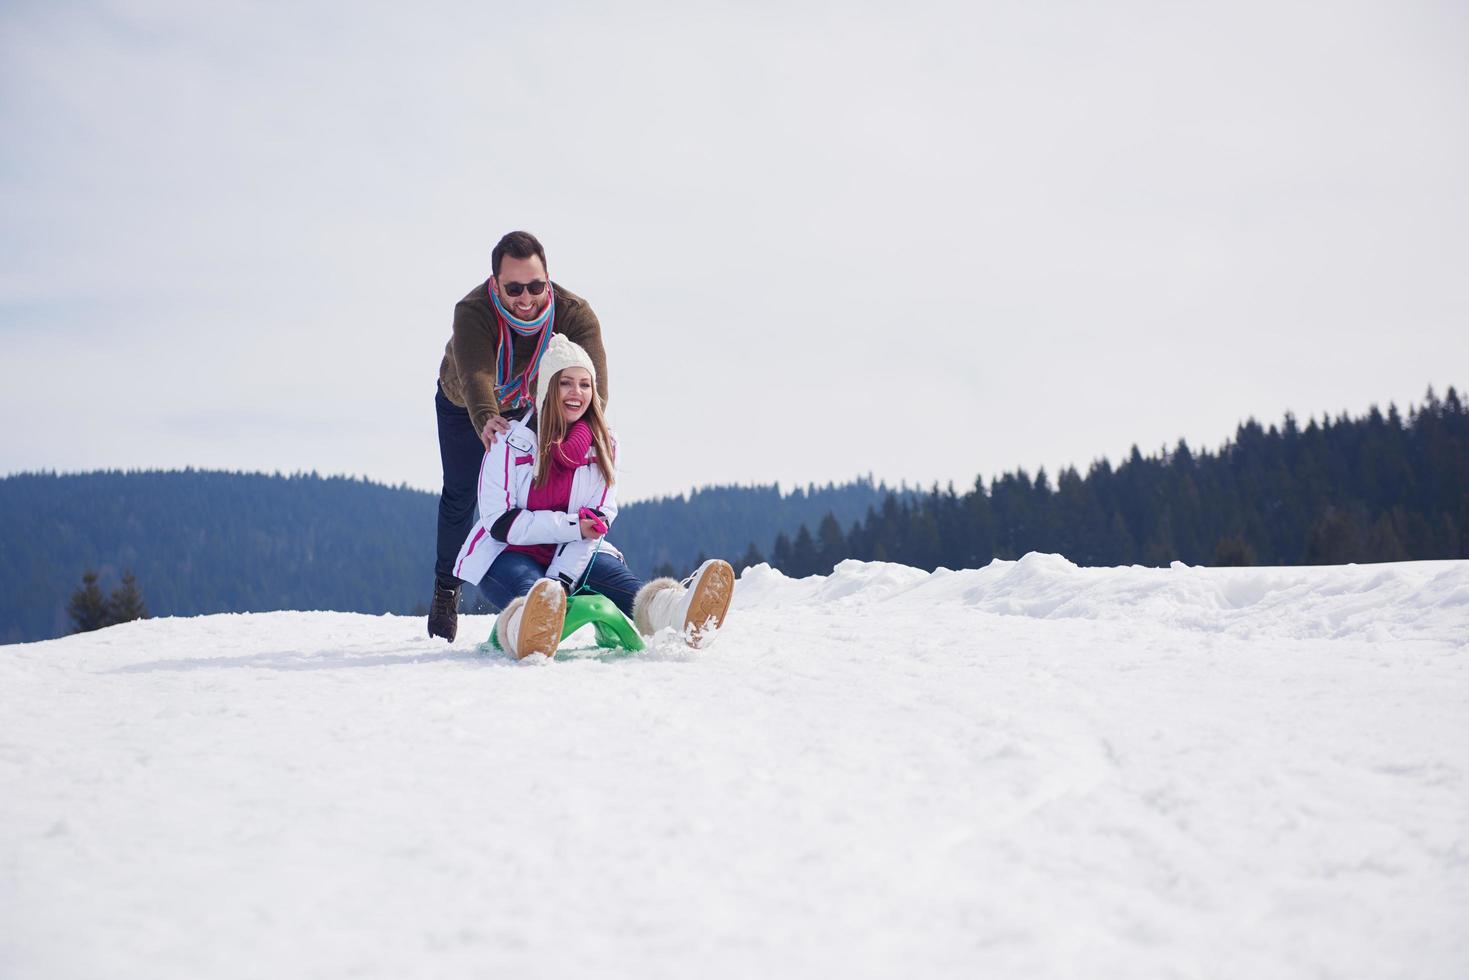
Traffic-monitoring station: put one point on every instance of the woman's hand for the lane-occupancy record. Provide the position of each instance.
(590, 528)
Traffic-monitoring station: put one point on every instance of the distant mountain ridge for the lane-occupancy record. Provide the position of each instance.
(204, 541)
(1383, 487)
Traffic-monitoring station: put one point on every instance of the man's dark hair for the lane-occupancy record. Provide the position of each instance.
(517, 245)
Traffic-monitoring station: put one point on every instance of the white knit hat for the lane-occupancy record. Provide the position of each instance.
(561, 353)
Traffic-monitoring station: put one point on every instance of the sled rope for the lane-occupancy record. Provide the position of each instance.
(586, 576)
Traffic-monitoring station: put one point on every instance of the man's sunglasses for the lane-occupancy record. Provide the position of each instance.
(516, 288)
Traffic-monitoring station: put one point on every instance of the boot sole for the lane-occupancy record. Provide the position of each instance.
(712, 595)
(541, 619)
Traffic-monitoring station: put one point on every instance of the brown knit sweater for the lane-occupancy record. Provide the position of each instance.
(467, 374)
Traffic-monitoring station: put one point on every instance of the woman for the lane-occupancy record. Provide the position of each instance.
(546, 498)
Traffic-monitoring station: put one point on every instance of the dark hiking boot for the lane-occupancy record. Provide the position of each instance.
(443, 615)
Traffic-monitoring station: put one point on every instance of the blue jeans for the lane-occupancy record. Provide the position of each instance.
(514, 572)
(460, 452)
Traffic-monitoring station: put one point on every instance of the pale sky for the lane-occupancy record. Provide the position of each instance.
(918, 240)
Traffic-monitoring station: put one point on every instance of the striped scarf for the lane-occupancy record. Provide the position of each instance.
(512, 389)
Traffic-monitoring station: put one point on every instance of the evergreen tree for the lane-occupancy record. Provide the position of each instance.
(751, 559)
(804, 560)
(126, 602)
(831, 544)
(88, 608)
(1384, 540)
(1464, 528)
(1336, 539)
(1233, 551)
(780, 556)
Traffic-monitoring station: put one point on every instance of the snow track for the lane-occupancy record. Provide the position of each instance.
(1028, 769)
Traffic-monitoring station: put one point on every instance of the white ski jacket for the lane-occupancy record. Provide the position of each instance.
(504, 488)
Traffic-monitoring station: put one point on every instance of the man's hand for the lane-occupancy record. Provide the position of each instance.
(497, 426)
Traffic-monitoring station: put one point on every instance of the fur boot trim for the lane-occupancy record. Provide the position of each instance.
(640, 603)
(502, 623)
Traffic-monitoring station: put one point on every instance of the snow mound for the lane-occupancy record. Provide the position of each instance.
(865, 581)
(1407, 600)
(1029, 769)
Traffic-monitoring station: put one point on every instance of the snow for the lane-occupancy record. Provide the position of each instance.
(1030, 769)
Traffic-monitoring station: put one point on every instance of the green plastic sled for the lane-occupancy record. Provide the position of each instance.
(614, 631)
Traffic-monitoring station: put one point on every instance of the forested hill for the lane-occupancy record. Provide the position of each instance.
(202, 542)
(1383, 487)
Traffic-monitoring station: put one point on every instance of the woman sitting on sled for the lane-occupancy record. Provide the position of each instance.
(546, 499)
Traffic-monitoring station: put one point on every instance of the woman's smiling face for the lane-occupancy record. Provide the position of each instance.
(573, 392)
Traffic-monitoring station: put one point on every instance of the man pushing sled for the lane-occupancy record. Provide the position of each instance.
(546, 477)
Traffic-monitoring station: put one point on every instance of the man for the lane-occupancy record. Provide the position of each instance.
(501, 329)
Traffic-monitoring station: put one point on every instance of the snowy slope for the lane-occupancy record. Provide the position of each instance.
(1029, 769)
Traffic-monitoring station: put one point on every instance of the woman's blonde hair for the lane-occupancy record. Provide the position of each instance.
(552, 431)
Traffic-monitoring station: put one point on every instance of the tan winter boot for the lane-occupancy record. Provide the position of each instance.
(532, 623)
(696, 607)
